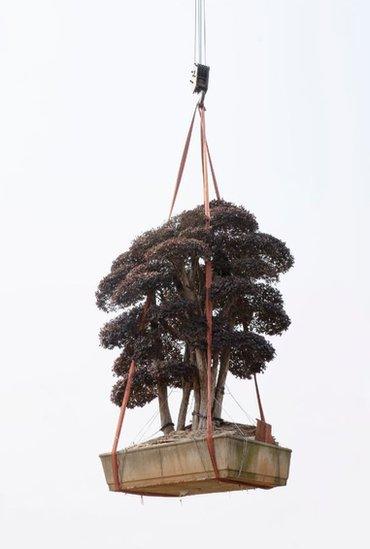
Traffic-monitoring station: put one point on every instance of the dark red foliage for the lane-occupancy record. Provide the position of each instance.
(167, 264)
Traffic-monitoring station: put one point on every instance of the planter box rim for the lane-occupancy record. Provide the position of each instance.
(132, 449)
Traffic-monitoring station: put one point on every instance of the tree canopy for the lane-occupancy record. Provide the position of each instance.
(167, 266)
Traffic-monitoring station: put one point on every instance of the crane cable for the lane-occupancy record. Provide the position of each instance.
(200, 33)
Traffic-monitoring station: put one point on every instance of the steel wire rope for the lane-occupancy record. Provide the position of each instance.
(146, 426)
(192, 436)
(152, 435)
(245, 439)
(232, 421)
(200, 33)
(195, 30)
(245, 446)
(250, 418)
(204, 33)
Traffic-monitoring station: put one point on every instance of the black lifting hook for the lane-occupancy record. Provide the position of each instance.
(200, 78)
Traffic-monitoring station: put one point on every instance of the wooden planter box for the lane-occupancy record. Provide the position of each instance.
(183, 467)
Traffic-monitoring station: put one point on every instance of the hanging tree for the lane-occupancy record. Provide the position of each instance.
(163, 272)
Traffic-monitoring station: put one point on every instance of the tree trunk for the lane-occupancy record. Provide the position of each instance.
(196, 388)
(220, 387)
(203, 404)
(183, 407)
(167, 425)
(201, 362)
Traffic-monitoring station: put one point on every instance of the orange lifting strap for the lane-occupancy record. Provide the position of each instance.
(184, 157)
(206, 159)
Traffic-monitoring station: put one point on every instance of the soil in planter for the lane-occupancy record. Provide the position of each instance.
(247, 431)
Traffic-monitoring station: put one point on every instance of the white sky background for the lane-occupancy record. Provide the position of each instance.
(94, 107)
